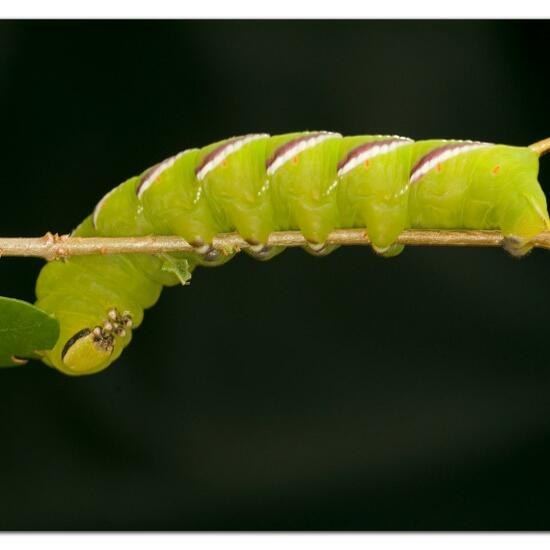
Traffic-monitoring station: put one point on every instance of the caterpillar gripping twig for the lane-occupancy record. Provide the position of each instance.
(312, 182)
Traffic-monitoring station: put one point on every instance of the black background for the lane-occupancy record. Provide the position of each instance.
(349, 392)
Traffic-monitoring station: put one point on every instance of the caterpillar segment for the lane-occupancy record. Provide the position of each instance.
(256, 184)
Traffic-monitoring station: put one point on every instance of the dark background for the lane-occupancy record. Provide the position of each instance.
(406, 394)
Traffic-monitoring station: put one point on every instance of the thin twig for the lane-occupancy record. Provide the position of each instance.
(53, 247)
(541, 147)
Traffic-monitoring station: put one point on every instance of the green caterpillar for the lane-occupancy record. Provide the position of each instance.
(313, 182)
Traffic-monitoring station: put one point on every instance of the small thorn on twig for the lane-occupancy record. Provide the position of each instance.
(49, 237)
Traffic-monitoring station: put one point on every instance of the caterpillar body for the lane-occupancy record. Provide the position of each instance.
(313, 182)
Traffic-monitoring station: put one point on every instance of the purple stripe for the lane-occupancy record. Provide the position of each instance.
(283, 149)
(146, 176)
(217, 151)
(440, 150)
(360, 149)
(434, 153)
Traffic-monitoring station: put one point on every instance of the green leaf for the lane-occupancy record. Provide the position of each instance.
(24, 330)
(178, 266)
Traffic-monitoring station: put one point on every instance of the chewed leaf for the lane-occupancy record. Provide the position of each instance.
(24, 330)
(178, 266)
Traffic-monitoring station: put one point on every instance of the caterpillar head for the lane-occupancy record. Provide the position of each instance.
(87, 350)
(90, 350)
